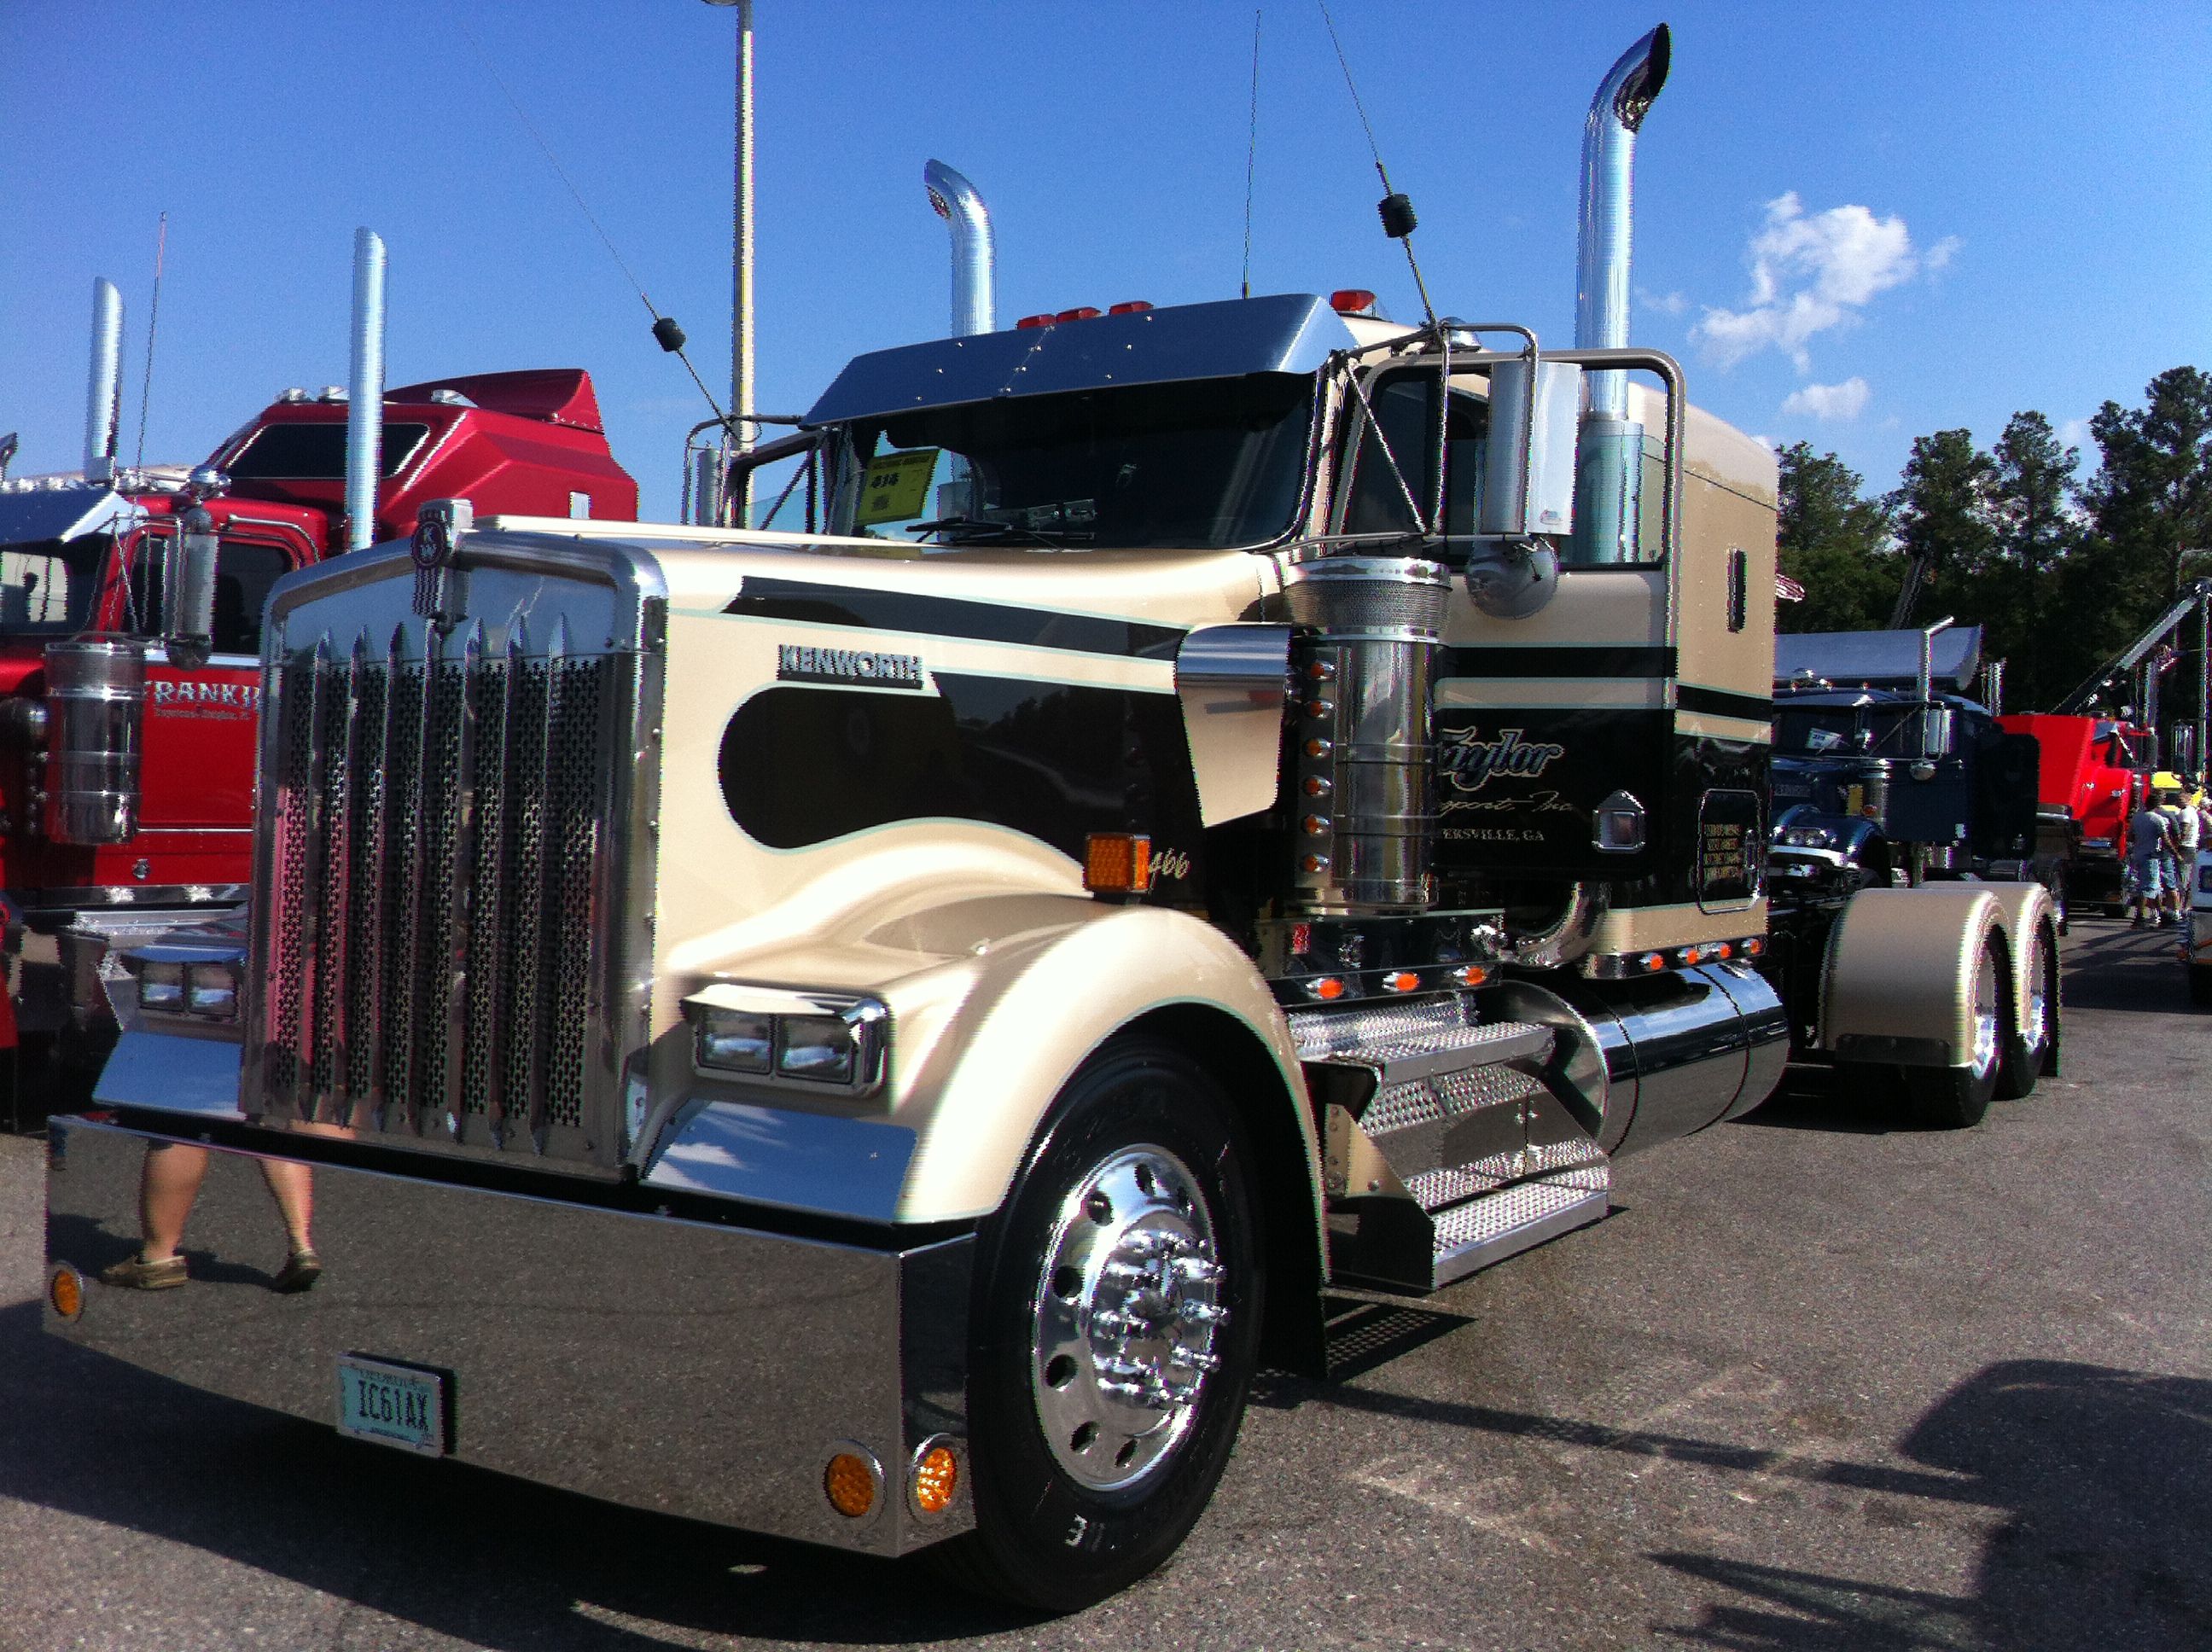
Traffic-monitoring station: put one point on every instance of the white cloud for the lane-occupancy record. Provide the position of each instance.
(1665, 303)
(1828, 402)
(1810, 273)
(2075, 433)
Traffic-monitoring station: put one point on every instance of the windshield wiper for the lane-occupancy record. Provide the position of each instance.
(973, 530)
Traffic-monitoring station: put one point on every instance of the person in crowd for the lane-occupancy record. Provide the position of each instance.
(2181, 853)
(2151, 850)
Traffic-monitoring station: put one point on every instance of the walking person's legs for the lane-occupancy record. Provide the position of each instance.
(169, 1183)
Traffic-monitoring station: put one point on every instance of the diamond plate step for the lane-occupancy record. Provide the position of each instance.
(1493, 1226)
(1397, 1055)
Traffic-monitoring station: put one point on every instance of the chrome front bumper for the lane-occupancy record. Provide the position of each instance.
(658, 1357)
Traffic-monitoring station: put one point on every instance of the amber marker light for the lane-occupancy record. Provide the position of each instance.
(1328, 988)
(935, 1475)
(1402, 980)
(1117, 863)
(1754, 947)
(1470, 975)
(850, 1484)
(65, 1290)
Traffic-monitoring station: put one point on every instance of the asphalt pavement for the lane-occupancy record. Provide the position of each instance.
(1821, 1382)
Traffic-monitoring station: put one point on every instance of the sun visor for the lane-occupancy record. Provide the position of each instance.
(58, 513)
(1877, 658)
(1293, 332)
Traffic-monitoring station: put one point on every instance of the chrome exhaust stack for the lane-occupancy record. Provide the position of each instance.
(957, 201)
(1363, 780)
(365, 406)
(1609, 483)
(103, 402)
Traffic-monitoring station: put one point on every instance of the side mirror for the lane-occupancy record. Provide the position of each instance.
(188, 590)
(1528, 474)
(1935, 731)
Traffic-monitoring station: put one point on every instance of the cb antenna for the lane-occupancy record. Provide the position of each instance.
(665, 332)
(1396, 208)
(1251, 156)
(153, 326)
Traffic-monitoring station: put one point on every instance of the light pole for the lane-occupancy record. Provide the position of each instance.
(740, 503)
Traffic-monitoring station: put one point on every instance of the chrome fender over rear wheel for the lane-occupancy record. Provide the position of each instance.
(1114, 1324)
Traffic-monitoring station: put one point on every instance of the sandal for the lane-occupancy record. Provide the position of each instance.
(139, 1274)
(300, 1271)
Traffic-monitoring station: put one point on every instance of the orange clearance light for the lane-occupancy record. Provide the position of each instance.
(1352, 301)
(1720, 950)
(1402, 980)
(1470, 975)
(1080, 313)
(1655, 960)
(65, 1290)
(934, 1477)
(1327, 989)
(1117, 863)
(1130, 307)
(1754, 946)
(850, 1484)
(1044, 320)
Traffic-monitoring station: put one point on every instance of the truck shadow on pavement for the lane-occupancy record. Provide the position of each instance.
(2110, 966)
(524, 1568)
(2099, 1477)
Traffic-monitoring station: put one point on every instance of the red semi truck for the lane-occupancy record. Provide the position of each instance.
(2093, 774)
(127, 733)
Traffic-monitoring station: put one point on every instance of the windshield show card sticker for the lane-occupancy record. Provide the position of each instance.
(897, 485)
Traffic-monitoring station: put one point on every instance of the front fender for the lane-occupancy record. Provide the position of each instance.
(1038, 1006)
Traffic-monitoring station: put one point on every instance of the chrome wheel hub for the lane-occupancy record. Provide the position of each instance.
(2039, 1004)
(1985, 1015)
(1127, 1309)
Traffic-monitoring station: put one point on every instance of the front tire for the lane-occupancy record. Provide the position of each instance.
(1114, 1329)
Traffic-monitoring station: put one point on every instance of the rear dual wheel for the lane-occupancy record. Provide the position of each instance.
(2027, 1053)
(1954, 1098)
(1115, 1319)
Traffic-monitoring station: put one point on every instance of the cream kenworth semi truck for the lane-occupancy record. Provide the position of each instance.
(872, 1033)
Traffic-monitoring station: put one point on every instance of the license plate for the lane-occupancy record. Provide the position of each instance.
(402, 1405)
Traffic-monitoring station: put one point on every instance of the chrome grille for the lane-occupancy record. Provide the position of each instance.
(445, 951)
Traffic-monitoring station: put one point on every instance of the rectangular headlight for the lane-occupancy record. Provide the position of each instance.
(822, 1048)
(822, 1041)
(734, 1041)
(162, 987)
(210, 990)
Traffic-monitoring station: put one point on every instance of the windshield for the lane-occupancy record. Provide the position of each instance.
(1844, 731)
(47, 586)
(316, 453)
(1205, 466)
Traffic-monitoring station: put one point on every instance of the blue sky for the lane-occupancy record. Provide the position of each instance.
(1855, 225)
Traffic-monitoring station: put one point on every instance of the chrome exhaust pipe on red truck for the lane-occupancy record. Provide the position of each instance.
(1610, 475)
(957, 201)
(103, 405)
(364, 408)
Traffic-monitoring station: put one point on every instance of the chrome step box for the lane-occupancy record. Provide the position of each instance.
(1444, 1148)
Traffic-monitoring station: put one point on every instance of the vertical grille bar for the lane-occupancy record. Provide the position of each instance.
(488, 974)
(311, 781)
(365, 935)
(400, 884)
(340, 693)
(456, 883)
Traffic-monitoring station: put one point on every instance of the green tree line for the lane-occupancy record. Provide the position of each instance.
(2061, 569)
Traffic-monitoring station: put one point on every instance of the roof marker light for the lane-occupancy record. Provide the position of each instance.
(1352, 301)
(1080, 313)
(1130, 307)
(1044, 320)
